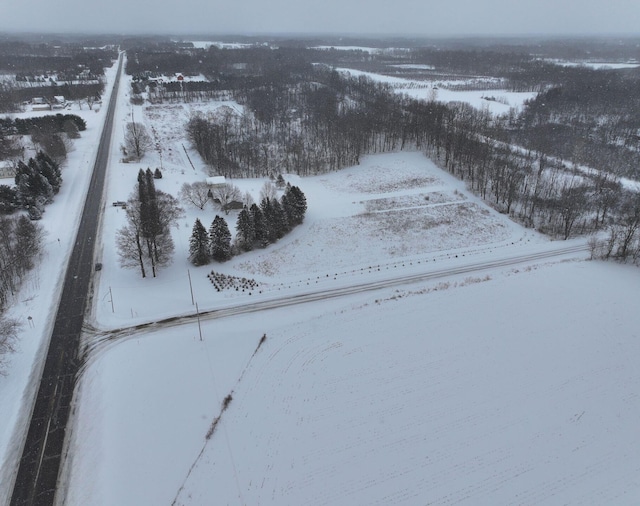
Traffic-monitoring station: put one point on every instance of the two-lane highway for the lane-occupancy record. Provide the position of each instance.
(36, 480)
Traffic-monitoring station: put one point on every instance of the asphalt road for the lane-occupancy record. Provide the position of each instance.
(36, 479)
(98, 341)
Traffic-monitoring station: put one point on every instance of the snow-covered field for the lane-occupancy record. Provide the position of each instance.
(495, 101)
(512, 385)
(391, 210)
(518, 389)
(597, 65)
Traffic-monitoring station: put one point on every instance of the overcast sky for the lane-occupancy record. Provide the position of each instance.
(411, 17)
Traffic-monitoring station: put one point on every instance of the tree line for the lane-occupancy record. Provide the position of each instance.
(54, 123)
(20, 247)
(338, 119)
(36, 183)
(256, 226)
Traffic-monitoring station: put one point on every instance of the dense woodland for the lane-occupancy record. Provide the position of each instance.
(302, 116)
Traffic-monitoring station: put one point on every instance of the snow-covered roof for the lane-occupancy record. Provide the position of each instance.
(215, 180)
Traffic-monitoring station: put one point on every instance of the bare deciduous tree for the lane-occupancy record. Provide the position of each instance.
(196, 194)
(225, 194)
(247, 200)
(268, 191)
(146, 239)
(136, 140)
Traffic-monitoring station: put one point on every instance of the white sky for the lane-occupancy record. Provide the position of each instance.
(415, 17)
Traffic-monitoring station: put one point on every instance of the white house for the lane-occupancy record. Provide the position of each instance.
(215, 181)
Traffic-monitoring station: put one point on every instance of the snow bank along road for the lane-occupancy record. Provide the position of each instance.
(37, 474)
(96, 340)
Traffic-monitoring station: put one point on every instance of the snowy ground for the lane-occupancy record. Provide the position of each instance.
(515, 385)
(512, 386)
(517, 389)
(388, 211)
(495, 101)
(39, 295)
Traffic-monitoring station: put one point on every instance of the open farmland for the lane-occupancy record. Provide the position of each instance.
(506, 387)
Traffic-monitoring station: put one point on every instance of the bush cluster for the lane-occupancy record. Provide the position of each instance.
(227, 282)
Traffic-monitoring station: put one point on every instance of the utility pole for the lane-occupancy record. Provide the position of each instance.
(190, 286)
(199, 327)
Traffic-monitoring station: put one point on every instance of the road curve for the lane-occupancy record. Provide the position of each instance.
(36, 479)
(97, 341)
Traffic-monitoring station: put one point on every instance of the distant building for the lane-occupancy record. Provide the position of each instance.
(7, 170)
(215, 181)
(59, 102)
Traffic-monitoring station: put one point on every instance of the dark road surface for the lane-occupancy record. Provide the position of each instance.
(36, 481)
(99, 340)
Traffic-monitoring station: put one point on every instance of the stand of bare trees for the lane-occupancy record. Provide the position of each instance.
(145, 241)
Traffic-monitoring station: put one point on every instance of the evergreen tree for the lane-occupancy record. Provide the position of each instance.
(50, 170)
(287, 207)
(28, 237)
(157, 174)
(296, 205)
(8, 199)
(139, 242)
(259, 225)
(150, 219)
(199, 245)
(219, 240)
(267, 213)
(279, 221)
(34, 190)
(245, 229)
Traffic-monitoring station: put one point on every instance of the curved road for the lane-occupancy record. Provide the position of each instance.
(36, 480)
(97, 340)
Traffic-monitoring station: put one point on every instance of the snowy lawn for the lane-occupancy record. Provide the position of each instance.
(393, 209)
